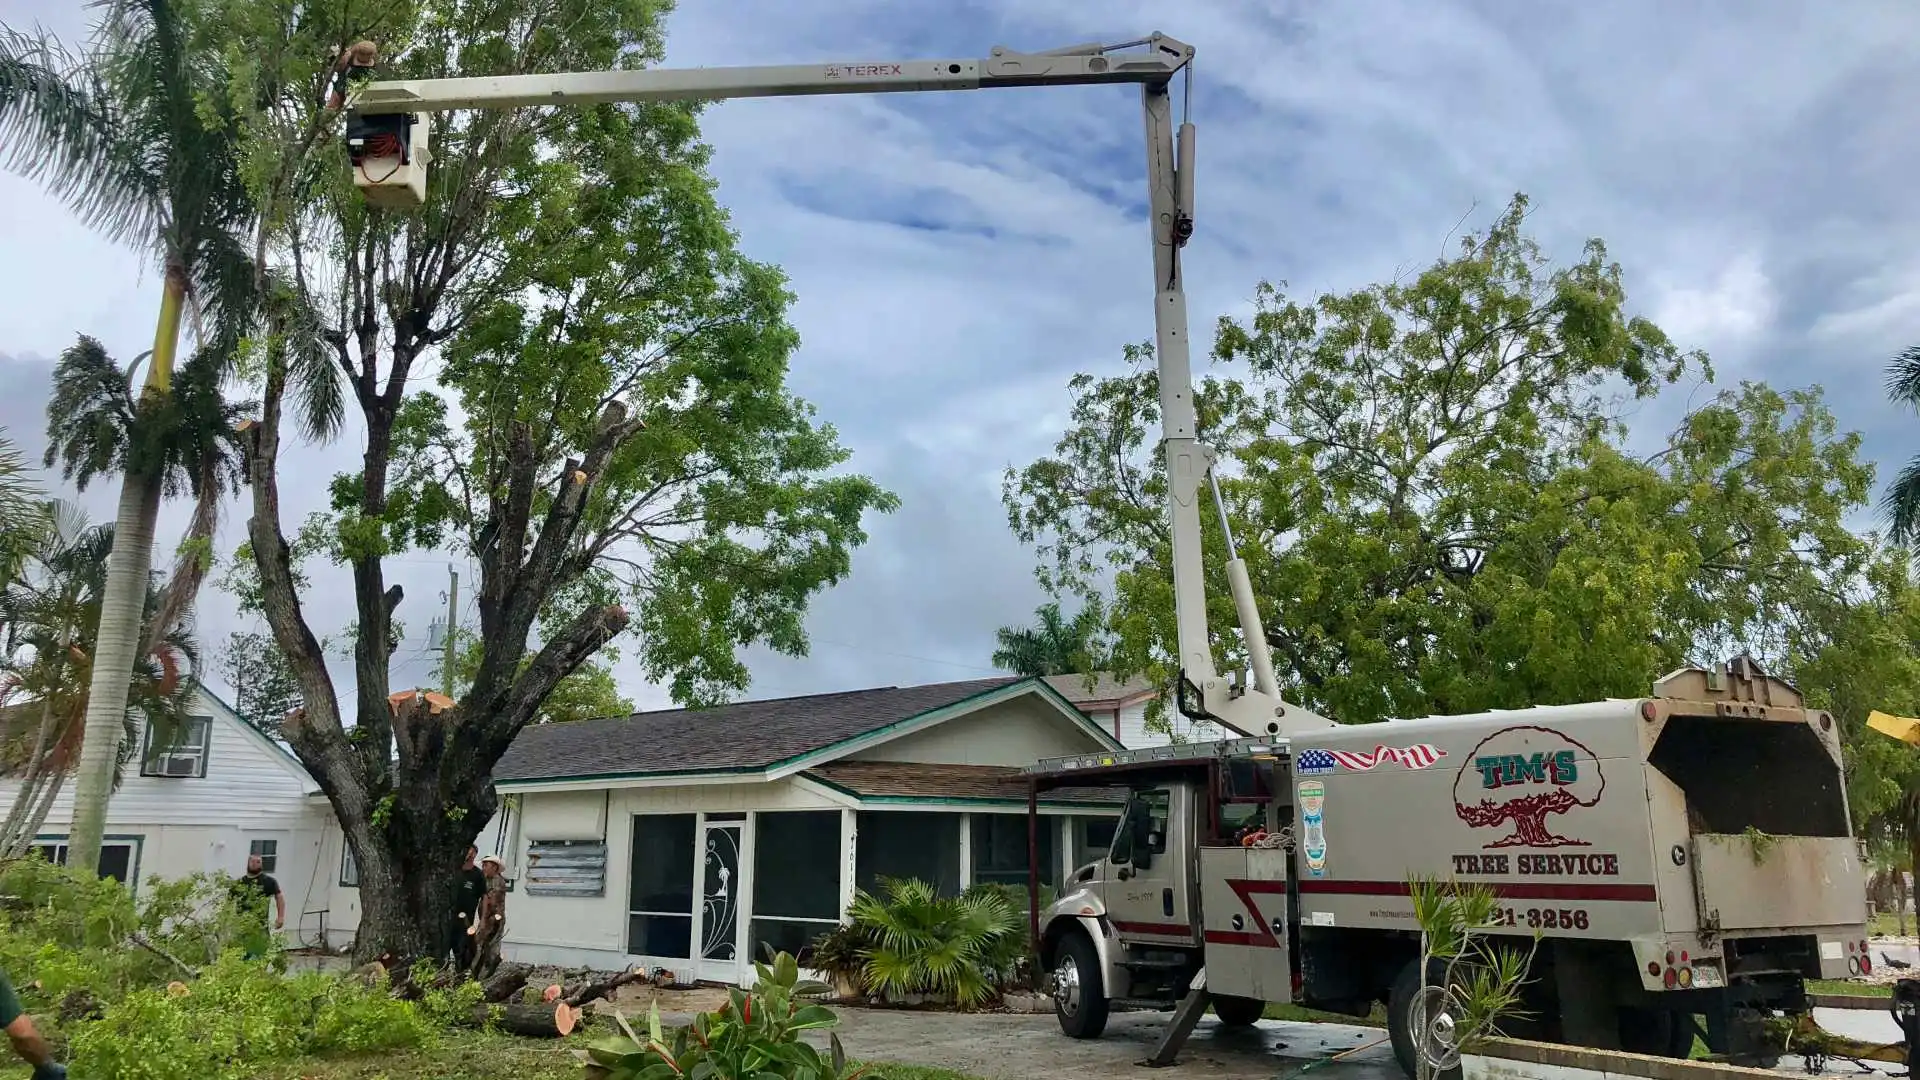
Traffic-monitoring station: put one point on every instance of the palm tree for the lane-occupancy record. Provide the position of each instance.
(1902, 502)
(1056, 646)
(136, 137)
(49, 613)
(22, 515)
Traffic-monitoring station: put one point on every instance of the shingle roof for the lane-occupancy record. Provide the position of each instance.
(917, 780)
(745, 735)
(1105, 687)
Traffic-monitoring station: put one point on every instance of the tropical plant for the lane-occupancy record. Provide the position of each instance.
(755, 1034)
(23, 516)
(961, 949)
(137, 137)
(48, 617)
(1902, 502)
(1470, 979)
(841, 954)
(1055, 644)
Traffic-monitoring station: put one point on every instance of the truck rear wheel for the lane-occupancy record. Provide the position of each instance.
(1656, 1033)
(1419, 1024)
(1079, 988)
(1237, 1011)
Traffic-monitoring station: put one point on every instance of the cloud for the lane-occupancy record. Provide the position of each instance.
(957, 257)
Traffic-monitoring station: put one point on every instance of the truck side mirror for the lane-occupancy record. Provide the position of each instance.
(1143, 858)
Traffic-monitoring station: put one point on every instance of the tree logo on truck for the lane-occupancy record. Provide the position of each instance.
(1517, 776)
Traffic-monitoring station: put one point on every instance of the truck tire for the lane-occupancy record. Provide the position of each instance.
(1656, 1033)
(1237, 1011)
(1402, 999)
(1079, 988)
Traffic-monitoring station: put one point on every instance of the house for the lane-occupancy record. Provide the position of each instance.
(691, 839)
(225, 791)
(1119, 706)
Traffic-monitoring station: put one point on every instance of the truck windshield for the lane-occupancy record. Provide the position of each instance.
(1143, 827)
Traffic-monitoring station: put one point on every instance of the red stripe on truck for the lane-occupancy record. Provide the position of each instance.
(1179, 930)
(1509, 890)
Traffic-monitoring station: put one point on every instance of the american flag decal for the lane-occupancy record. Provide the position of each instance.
(1315, 762)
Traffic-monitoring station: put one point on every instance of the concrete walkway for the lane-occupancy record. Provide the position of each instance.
(997, 1046)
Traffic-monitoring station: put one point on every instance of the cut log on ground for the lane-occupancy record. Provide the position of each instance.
(547, 1020)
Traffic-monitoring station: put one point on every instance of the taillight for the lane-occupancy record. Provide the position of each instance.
(1670, 978)
(1866, 964)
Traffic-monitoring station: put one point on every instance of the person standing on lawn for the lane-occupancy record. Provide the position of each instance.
(251, 894)
(468, 891)
(27, 1041)
(491, 925)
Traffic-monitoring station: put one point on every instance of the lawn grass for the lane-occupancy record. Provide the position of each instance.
(1848, 987)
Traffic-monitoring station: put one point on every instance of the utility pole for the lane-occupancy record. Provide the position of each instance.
(453, 616)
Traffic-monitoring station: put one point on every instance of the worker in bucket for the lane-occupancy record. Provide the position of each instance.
(27, 1041)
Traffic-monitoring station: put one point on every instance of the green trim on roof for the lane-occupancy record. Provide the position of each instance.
(942, 800)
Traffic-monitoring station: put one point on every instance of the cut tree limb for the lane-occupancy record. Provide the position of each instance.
(141, 941)
(546, 1020)
(595, 991)
(507, 983)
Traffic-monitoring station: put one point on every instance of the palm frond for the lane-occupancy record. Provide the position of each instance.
(89, 415)
(314, 378)
(1902, 504)
(59, 130)
(1903, 377)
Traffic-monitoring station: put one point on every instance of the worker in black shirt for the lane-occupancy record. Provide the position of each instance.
(251, 894)
(466, 902)
(26, 1039)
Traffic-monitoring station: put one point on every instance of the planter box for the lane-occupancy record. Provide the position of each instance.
(1517, 1059)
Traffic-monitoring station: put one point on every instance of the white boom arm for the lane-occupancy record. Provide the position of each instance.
(385, 138)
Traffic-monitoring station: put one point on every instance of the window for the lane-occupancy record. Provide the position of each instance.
(1142, 823)
(116, 858)
(904, 844)
(1092, 839)
(999, 849)
(268, 852)
(349, 870)
(796, 880)
(660, 886)
(566, 868)
(185, 756)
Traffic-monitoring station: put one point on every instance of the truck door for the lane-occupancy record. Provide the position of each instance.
(1148, 895)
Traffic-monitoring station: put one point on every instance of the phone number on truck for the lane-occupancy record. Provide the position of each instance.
(1543, 918)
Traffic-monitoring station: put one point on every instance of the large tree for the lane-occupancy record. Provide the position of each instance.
(1433, 487)
(610, 439)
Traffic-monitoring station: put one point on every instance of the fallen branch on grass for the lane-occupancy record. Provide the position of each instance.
(142, 942)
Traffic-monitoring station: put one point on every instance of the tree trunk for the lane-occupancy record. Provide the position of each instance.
(122, 609)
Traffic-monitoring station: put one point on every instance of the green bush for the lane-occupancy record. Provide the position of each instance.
(756, 1034)
(960, 949)
(237, 1016)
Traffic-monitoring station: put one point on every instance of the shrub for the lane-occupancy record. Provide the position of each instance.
(961, 949)
(842, 953)
(237, 1016)
(756, 1034)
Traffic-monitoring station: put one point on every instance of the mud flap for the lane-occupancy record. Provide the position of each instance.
(1185, 1019)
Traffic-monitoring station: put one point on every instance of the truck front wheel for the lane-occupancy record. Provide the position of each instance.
(1419, 1024)
(1079, 988)
(1237, 1011)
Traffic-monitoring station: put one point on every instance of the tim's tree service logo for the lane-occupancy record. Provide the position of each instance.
(1519, 775)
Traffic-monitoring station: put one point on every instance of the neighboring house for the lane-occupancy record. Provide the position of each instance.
(225, 792)
(1120, 708)
(689, 839)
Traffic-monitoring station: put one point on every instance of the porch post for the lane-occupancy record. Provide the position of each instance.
(849, 858)
(966, 852)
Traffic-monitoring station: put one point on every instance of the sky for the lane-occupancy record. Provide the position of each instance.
(958, 257)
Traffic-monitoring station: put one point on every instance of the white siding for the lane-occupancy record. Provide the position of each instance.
(1134, 733)
(1019, 731)
(593, 929)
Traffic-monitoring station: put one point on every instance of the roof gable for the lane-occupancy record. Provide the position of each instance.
(777, 736)
(1100, 688)
(283, 757)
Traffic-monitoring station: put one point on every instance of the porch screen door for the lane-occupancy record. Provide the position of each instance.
(720, 897)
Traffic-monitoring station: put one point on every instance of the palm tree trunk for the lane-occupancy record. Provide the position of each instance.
(123, 606)
(14, 838)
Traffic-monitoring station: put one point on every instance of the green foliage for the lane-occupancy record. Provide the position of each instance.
(756, 1034)
(239, 1015)
(959, 949)
(1055, 645)
(1475, 976)
(23, 516)
(1431, 484)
